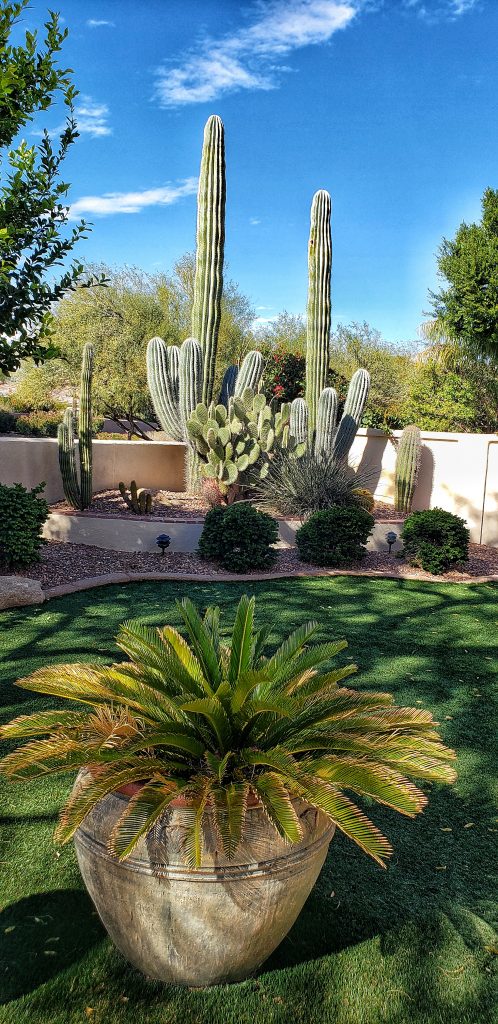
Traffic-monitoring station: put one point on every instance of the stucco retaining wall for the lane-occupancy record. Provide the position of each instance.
(459, 472)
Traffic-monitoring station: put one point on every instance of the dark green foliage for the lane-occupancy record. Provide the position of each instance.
(435, 540)
(22, 515)
(334, 536)
(33, 216)
(467, 309)
(238, 536)
(284, 375)
(38, 424)
(297, 487)
(7, 421)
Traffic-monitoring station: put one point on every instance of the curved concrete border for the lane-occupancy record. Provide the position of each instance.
(111, 579)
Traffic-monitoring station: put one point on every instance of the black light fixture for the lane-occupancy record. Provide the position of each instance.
(163, 542)
(391, 538)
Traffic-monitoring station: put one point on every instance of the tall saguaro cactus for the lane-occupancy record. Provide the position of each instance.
(319, 303)
(78, 492)
(208, 287)
(407, 467)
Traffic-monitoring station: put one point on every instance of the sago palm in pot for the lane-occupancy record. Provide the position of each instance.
(212, 777)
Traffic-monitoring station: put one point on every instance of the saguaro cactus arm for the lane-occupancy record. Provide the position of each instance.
(67, 460)
(208, 286)
(326, 422)
(354, 406)
(319, 302)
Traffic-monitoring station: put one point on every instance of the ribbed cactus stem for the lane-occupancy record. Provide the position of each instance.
(299, 420)
(67, 460)
(208, 287)
(326, 423)
(250, 372)
(319, 303)
(228, 384)
(190, 375)
(354, 408)
(85, 427)
(407, 467)
(162, 378)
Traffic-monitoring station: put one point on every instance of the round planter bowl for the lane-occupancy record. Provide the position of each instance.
(204, 926)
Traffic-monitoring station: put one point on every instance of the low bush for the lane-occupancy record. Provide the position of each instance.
(284, 375)
(239, 537)
(334, 536)
(7, 421)
(296, 487)
(38, 424)
(435, 540)
(22, 515)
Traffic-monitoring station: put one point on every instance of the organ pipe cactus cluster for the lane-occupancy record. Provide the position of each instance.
(139, 500)
(407, 467)
(182, 379)
(78, 492)
(235, 444)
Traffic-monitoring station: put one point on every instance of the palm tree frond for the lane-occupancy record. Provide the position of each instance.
(278, 806)
(201, 641)
(143, 811)
(242, 639)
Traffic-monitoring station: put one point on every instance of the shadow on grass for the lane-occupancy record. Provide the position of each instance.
(41, 936)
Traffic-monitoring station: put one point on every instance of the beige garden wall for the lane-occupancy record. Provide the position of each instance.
(459, 472)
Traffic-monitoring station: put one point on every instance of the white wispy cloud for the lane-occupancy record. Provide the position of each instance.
(440, 10)
(91, 118)
(246, 59)
(254, 221)
(132, 202)
(100, 23)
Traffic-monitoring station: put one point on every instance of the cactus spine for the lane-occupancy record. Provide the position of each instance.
(326, 422)
(208, 287)
(78, 492)
(318, 312)
(354, 407)
(407, 467)
(250, 372)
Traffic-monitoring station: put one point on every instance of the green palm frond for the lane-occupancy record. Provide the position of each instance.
(242, 639)
(201, 641)
(213, 721)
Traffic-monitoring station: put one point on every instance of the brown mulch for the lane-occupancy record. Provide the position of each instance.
(66, 563)
(175, 505)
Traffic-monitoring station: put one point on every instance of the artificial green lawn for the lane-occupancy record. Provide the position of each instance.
(412, 944)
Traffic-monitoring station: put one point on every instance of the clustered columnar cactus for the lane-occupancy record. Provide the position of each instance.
(332, 438)
(139, 500)
(318, 312)
(407, 467)
(78, 492)
(234, 444)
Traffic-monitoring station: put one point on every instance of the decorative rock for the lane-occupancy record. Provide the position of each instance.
(16, 591)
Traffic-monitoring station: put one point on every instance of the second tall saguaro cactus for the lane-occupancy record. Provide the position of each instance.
(319, 303)
(208, 287)
(78, 492)
(407, 467)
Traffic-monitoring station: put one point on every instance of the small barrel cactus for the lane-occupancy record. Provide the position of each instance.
(138, 499)
(407, 467)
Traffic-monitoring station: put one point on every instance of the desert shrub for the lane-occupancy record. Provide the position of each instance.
(7, 421)
(38, 424)
(364, 497)
(435, 540)
(334, 536)
(295, 487)
(284, 375)
(239, 537)
(22, 515)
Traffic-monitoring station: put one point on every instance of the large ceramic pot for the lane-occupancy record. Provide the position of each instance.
(216, 923)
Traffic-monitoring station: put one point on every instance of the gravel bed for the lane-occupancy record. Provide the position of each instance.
(66, 563)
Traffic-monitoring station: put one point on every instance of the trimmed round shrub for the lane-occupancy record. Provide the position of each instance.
(335, 536)
(239, 537)
(435, 540)
(22, 515)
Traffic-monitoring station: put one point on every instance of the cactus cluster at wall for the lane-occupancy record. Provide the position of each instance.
(138, 499)
(223, 443)
(78, 489)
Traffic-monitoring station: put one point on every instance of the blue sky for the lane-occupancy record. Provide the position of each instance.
(391, 105)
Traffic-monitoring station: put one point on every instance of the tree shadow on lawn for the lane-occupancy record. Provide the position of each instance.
(42, 935)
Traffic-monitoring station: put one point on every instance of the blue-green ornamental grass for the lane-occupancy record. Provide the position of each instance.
(411, 945)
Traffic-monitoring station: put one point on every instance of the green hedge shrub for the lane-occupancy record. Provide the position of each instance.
(334, 536)
(435, 540)
(239, 537)
(7, 421)
(38, 424)
(22, 515)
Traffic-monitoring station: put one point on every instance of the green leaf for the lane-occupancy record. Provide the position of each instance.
(242, 639)
(278, 806)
